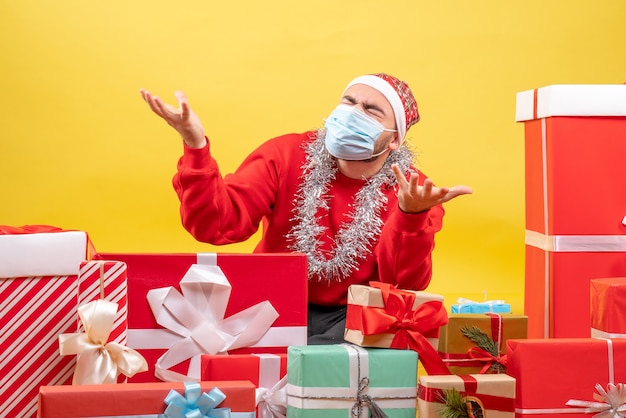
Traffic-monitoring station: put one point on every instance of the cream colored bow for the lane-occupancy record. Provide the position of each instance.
(99, 361)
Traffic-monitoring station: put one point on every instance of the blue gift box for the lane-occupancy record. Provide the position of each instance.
(473, 307)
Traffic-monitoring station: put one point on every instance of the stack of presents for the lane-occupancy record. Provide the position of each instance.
(89, 334)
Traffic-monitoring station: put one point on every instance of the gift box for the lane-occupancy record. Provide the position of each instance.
(58, 252)
(381, 316)
(491, 394)
(265, 371)
(567, 127)
(551, 372)
(608, 303)
(105, 279)
(460, 351)
(472, 307)
(279, 280)
(134, 399)
(343, 379)
(36, 306)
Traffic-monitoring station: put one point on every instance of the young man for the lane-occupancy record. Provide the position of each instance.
(346, 195)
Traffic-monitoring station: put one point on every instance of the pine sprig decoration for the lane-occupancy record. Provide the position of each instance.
(454, 404)
(483, 341)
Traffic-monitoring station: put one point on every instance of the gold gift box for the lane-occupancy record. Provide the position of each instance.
(493, 394)
(454, 345)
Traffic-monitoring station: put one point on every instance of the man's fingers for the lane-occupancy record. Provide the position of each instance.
(399, 176)
(153, 104)
(414, 179)
(456, 191)
(427, 188)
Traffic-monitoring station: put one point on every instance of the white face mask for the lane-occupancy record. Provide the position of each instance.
(351, 134)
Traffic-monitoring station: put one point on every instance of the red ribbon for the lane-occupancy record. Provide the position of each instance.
(497, 328)
(478, 357)
(28, 229)
(408, 326)
(484, 356)
(490, 402)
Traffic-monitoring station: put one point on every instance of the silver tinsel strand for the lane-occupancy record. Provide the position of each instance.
(355, 238)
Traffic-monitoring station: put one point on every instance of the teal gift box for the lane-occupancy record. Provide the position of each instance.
(345, 380)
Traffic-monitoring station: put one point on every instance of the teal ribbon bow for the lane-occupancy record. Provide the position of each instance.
(195, 403)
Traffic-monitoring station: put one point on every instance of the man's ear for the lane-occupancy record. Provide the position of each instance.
(395, 142)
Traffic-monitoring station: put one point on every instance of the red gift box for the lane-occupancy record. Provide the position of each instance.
(265, 371)
(550, 372)
(608, 304)
(134, 399)
(574, 142)
(280, 279)
(34, 309)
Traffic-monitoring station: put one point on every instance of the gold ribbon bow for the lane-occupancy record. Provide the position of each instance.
(99, 361)
(611, 403)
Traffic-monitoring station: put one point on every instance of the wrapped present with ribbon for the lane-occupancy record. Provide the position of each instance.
(186, 305)
(99, 359)
(474, 395)
(554, 376)
(380, 315)
(215, 399)
(41, 250)
(39, 266)
(464, 305)
(476, 343)
(266, 371)
(566, 127)
(106, 280)
(347, 380)
(608, 303)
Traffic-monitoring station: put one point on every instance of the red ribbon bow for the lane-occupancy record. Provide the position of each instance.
(482, 355)
(409, 326)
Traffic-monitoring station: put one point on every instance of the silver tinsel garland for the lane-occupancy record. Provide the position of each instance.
(355, 238)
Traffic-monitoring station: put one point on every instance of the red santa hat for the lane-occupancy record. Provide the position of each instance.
(398, 93)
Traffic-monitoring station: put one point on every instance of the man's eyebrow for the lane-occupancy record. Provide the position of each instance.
(371, 106)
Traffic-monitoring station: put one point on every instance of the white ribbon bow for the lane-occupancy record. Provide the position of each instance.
(272, 403)
(98, 361)
(197, 317)
(464, 301)
(611, 403)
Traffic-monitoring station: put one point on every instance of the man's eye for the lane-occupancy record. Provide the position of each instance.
(374, 112)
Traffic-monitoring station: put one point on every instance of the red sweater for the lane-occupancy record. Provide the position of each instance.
(224, 210)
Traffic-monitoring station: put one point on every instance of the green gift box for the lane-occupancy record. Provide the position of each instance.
(346, 380)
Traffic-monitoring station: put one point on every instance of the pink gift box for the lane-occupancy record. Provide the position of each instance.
(280, 279)
(571, 240)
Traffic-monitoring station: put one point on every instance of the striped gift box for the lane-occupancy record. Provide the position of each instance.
(38, 301)
(103, 279)
(33, 312)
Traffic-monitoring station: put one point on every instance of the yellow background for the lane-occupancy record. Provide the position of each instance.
(80, 149)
